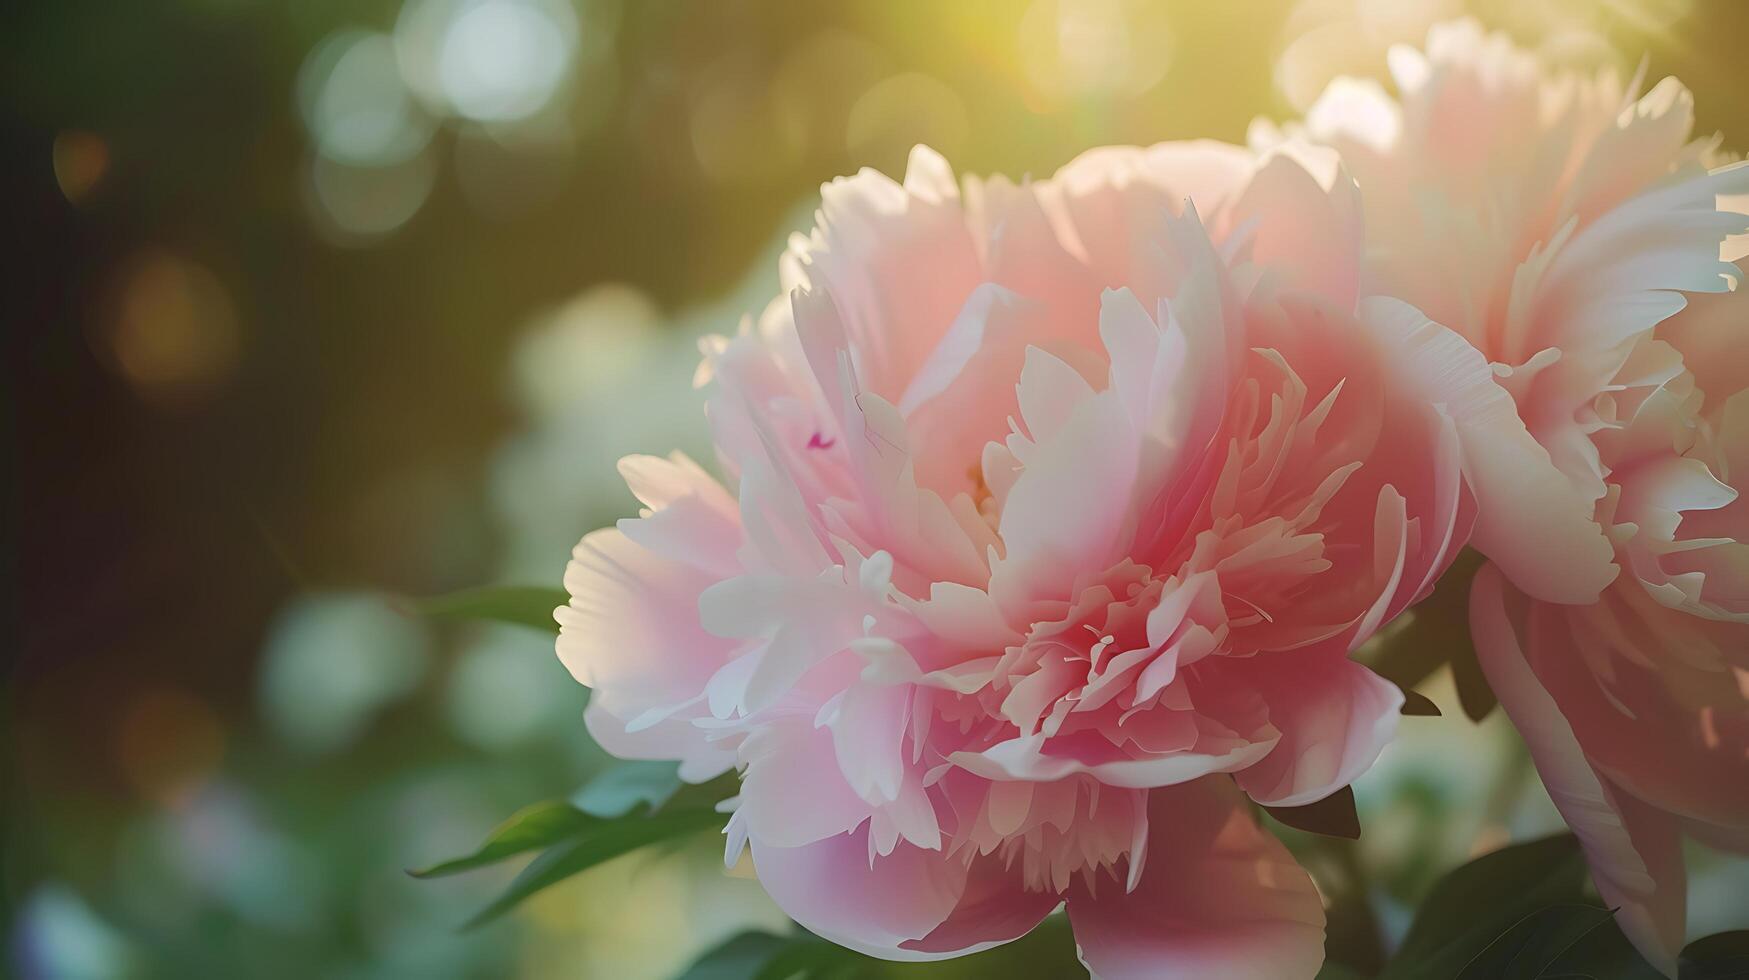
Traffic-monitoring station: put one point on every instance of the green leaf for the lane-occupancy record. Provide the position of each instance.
(618, 792)
(740, 956)
(1332, 970)
(1332, 816)
(1529, 949)
(816, 959)
(1474, 694)
(628, 786)
(1603, 954)
(1721, 956)
(798, 956)
(609, 840)
(1352, 938)
(1472, 906)
(1432, 633)
(1418, 704)
(528, 829)
(524, 605)
(1407, 651)
(1046, 951)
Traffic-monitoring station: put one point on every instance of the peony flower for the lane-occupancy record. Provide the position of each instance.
(1058, 508)
(1559, 222)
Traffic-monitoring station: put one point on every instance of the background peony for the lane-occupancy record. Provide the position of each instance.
(1055, 506)
(1558, 221)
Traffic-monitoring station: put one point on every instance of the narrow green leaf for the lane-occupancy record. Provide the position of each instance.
(1470, 907)
(1332, 816)
(627, 786)
(1332, 970)
(1721, 956)
(621, 790)
(530, 828)
(524, 605)
(609, 841)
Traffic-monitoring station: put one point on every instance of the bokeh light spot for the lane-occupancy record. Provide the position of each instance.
(169, 744)
(332, 661)
(81, 160)
(507, 665)
(815, 86)
(174, 332)
(1073, 49)
(733, 119)
(899, 112)
(357, 205)
(355, 104)
(504, 59)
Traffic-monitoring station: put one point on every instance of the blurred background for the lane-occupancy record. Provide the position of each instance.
(323, 304)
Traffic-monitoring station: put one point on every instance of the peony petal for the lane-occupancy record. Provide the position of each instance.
(1023, 759)
(995, 908)
(1335, 717)
(1309, 233)
(1630, 847)
(1709, 333)
(965, 393)
(693, 519)
(1218, 897)
(788, 762)
(873, 234)
(1064, 514)
(1532, 522)
(963, 615)
(631, 631)
(878, 906)
(869, 734)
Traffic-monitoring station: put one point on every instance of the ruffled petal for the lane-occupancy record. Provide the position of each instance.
(873, 234)
(793, 792)
(631, 632)
(1532, 521)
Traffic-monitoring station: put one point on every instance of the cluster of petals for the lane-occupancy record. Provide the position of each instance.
(1057, 510)
(1575, 233)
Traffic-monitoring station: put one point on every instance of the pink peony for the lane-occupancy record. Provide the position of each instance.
(1058, 511)
(1557, 221)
